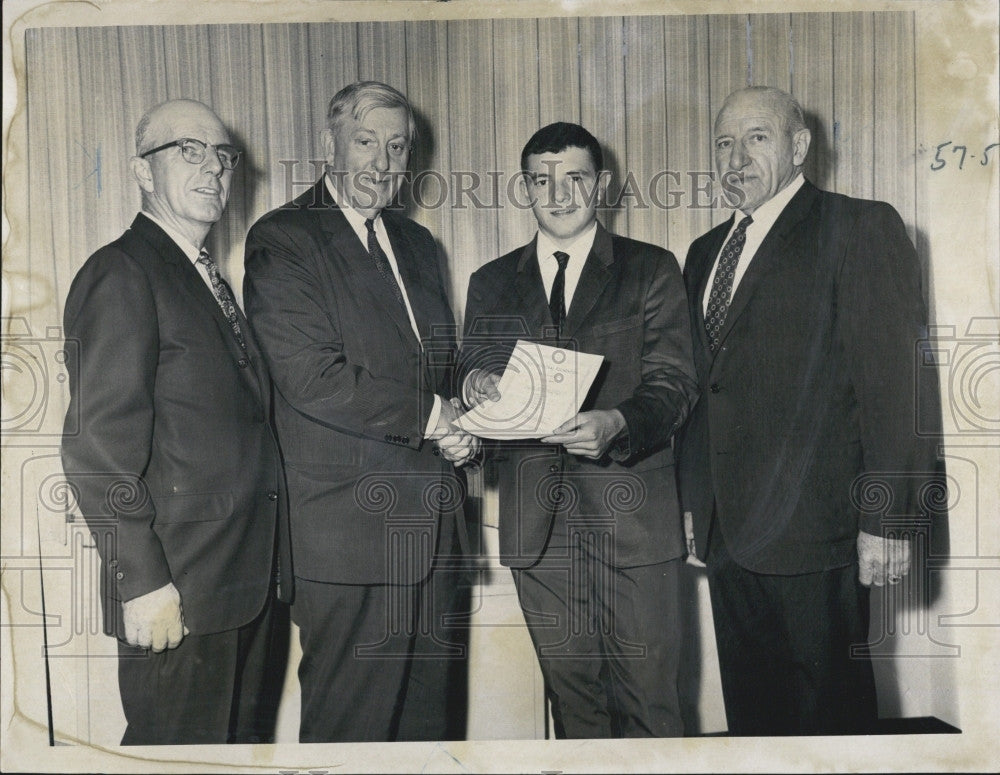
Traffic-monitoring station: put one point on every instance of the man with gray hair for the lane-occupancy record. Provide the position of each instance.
(347, 299)
(175, 467)
(807, 315)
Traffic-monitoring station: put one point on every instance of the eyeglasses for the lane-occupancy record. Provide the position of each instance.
(194, 151)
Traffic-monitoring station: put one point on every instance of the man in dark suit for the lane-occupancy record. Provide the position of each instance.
(589, 520)
(347, 299)
(175, 466)
(807, 314)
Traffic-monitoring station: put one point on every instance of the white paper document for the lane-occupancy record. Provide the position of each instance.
(541, 388)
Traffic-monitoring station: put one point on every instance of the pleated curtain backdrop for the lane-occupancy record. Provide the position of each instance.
(647, 87)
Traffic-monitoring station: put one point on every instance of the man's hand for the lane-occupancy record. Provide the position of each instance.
(455, 445)
(155, 620)
(882, 559)
(588, 434)
(481, 385)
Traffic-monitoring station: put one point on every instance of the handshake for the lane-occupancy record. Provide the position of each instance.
(453, 443)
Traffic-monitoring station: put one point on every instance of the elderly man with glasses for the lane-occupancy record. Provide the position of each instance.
(175, 467)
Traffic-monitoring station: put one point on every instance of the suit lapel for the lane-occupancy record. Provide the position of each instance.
(198, 290)
(531, 291)
(771, 251)
(256, 359)
(595, 276)
(407, 260)
(417, 292)
(339, 236)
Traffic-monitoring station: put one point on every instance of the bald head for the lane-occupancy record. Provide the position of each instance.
(155, 127)
(779, 102)
(186, 189)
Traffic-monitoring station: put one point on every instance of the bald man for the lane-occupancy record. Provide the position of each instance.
(175, 467)
(807, 315)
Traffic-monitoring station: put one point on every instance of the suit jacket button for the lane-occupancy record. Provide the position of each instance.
(388, 437)
(113, 564)
(272, 496)
(242, 363)
(554, 468)
(406, 439)
(119, 575)
(714, 387)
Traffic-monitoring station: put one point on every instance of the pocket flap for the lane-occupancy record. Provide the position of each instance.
(614, 326)
(176, 508)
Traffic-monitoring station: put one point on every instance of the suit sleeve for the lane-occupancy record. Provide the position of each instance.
(304, 347)
(111, 316)
(882, 324)
(669, 387)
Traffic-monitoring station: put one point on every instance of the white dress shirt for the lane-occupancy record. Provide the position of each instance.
(763, 219)
(357, 223)
(189, 249)
(577, 252)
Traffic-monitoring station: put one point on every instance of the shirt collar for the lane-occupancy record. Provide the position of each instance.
(354, 218)
(580, 246)
(765, 215)
(189, 249)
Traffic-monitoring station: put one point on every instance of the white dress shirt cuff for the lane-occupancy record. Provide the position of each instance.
(432, 421)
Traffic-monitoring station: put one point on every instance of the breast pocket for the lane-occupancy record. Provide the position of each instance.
(612, 327)
(177, 508)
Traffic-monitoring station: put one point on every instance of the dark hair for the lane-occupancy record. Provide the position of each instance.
(560, 136)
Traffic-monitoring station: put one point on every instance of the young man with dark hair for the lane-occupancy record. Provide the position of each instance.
(589, 521)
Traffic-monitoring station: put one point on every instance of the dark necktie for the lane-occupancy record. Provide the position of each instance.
(222, 294)
(557, 299)
(722, 285)
(382, 262)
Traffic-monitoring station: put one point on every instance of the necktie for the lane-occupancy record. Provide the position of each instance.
(382, 262)
(222, 294)
(722, 285)
(557, 300)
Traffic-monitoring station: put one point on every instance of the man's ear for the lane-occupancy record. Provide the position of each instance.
(603, 181)
(800, 144)
(329, 145)
(143, 173)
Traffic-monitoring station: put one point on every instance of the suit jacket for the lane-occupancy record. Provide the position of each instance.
(354, 390)
(629, 306)
(808, 410)
(175, 467)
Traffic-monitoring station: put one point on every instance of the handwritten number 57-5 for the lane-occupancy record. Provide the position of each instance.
(940, 161)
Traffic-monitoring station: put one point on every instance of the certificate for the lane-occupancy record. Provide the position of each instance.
(541, 388)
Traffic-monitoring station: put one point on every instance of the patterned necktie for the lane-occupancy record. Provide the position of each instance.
(382, 262)
(722, 285)
(222, 294)
(557, 300)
